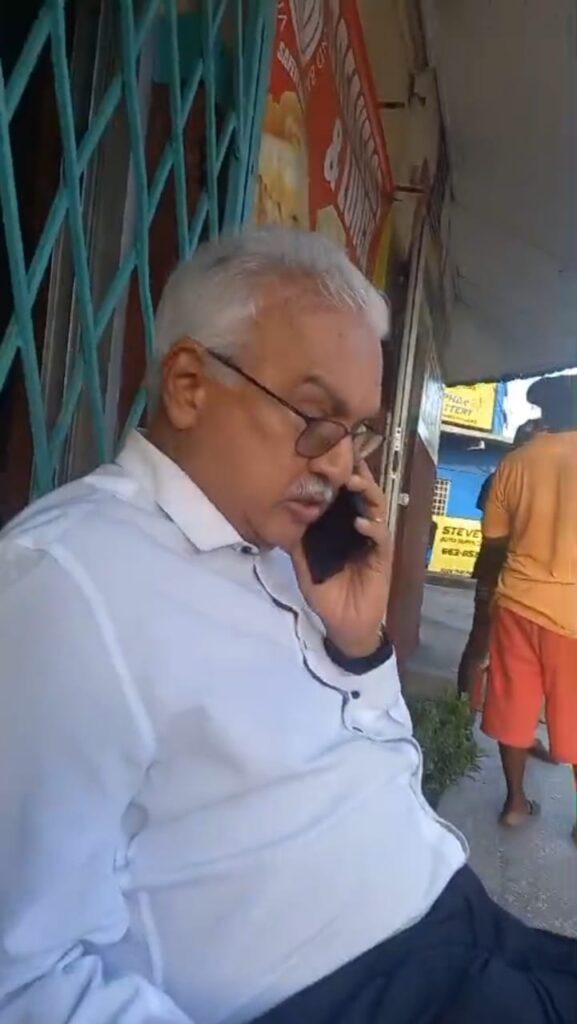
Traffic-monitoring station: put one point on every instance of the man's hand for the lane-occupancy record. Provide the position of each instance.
(353, 604)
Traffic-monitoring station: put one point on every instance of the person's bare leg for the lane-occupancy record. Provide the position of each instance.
(517, 807)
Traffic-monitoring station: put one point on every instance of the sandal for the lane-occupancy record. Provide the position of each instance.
(512, 819)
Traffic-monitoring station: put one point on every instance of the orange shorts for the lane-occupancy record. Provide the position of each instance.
(530, 665)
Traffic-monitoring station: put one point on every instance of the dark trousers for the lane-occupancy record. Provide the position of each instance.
(467, 962)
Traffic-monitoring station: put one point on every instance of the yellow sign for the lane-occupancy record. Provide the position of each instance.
(456, 546)
(472, 406)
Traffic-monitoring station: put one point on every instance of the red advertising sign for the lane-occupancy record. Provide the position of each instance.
(323, 162)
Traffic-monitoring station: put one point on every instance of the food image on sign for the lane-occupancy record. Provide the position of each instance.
(456, 546)
(282, 187)
(323, 161)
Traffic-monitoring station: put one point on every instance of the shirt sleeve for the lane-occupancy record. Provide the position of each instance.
(496, 519)
(73, 752)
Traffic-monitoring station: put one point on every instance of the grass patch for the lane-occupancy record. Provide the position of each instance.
(444, 729)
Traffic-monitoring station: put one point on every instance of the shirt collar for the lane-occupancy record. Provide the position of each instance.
(176, 494)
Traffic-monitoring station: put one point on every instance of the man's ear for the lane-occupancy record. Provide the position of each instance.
(183, 383)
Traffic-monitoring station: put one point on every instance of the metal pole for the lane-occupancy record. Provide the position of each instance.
(393, 459)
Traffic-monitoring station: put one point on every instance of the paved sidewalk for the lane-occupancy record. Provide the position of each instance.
(532, 871)
(445, 622)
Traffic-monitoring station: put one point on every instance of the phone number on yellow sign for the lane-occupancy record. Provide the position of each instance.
(456, 545)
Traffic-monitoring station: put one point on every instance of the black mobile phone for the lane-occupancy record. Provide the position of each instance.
(332, 542)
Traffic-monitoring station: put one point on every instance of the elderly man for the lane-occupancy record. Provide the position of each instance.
(209, 791)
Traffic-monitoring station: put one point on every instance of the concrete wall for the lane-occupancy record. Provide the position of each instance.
(398, 62)
(411, 546)
(413, 525)
(407, 95)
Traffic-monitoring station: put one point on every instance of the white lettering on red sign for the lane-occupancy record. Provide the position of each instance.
(354, 107)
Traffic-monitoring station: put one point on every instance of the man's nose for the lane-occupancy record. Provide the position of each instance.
(337, 464)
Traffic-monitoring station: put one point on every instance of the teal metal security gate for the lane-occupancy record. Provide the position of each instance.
(95, 242)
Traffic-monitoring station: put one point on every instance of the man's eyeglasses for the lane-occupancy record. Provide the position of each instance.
(319, 434)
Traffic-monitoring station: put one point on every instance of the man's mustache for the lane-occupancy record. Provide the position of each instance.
(313, 489)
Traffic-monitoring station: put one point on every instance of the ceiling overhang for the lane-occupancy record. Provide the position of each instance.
(506, 74)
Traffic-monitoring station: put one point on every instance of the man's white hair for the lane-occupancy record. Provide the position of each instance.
(213, 297)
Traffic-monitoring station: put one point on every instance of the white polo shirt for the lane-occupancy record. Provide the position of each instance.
(201, 814)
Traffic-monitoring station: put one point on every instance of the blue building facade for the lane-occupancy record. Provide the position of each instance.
(473, 442)
(464, 465)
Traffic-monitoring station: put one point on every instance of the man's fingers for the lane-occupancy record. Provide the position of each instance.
(362, 476)
(376, 529)
(369, 528)
(363, 483)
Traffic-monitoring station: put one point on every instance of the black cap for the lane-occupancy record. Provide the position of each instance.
(527, 431)
(557, 399)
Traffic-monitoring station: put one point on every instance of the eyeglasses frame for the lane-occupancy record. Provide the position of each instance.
(309, 420)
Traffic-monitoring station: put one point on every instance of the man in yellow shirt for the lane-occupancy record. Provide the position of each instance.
(532, 512)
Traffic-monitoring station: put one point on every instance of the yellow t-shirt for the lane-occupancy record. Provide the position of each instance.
(533, 502)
